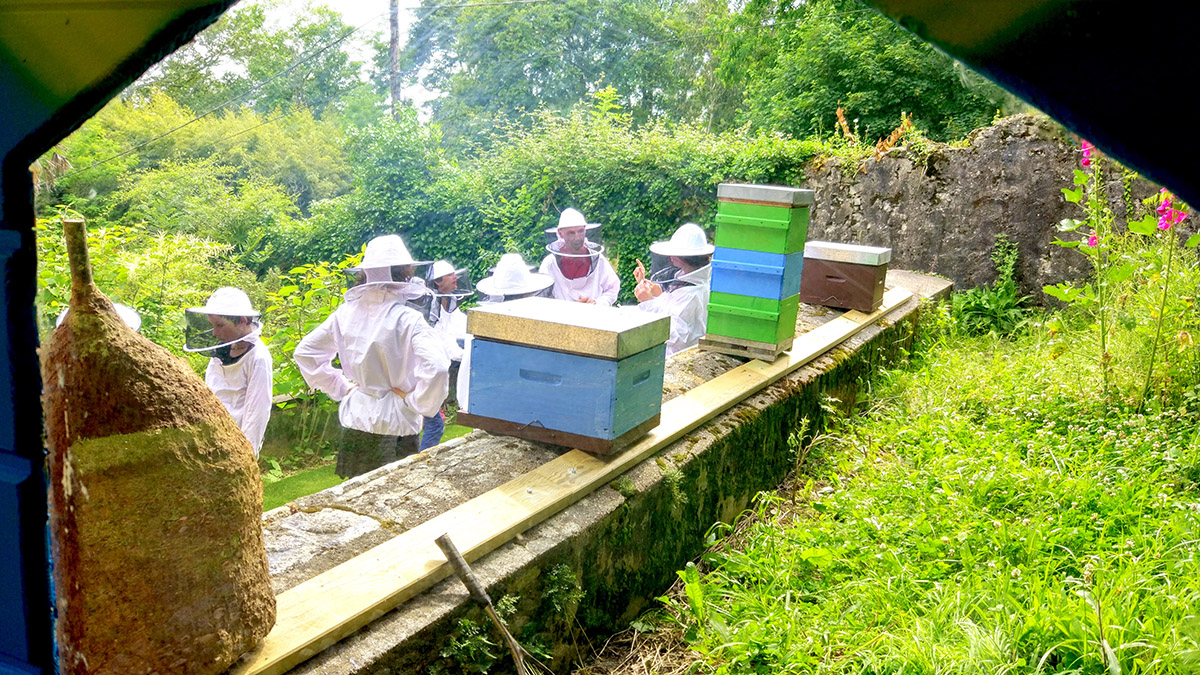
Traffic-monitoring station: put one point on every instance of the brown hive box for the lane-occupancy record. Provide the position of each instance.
(847, 276)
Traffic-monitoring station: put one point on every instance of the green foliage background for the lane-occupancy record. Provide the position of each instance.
(258, 156)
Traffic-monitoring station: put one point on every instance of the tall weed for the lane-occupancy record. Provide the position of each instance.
(1141, 296)
(996, 308)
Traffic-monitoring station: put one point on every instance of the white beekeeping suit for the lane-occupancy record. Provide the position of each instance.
(512, 279)
(445, 315)
(682, 290)
(577, 266)
(240, 370)
(687, 305)
(394, 367)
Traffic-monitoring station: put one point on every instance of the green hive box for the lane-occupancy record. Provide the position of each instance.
(767, 218)
(756, 319)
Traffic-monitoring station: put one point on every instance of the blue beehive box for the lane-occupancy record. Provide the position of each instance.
(757, 274)
(581, 395)
(568, 373)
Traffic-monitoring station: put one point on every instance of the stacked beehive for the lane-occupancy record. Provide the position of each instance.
(757, 265)
(568, 373)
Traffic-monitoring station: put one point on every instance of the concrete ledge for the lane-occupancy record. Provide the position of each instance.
(598, 564)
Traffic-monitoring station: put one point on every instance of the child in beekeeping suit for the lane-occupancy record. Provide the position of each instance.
(394, 367)
(680, 287)
(578, 268)
(510, 280)
(239, 372)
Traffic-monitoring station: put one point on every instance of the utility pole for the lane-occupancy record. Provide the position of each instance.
(394, 57)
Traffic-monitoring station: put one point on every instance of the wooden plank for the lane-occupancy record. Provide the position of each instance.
(332, 605)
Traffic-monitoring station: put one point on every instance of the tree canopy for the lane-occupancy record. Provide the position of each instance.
(774, 66)
(241, 58)
(263, 137)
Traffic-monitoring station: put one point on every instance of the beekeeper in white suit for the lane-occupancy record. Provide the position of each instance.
(510, 280)
(239, 372)
(681, 288)
(448, 287)
(578, 267)
(394, 367)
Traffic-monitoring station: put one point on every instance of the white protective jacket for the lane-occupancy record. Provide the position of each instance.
(244, 388)
(451, 326)
(688, 307)
(382, 344)
(600, 284)
(462, 387)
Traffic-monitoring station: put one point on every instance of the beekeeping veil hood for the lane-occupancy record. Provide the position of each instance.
(231, 303)
(446, 301)
(512, 277)
(462, 281)
(387, 261)
(688, 241)
(572, 218)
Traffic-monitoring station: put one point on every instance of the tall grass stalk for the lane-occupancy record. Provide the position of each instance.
(1162, 306)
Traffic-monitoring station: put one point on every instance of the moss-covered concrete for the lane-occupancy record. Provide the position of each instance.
(591, 569)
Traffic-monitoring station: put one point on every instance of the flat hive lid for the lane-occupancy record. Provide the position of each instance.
(848, 253)
(572, 327)
(779, 195)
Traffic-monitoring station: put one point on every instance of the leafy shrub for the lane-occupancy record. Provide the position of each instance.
(994, 308)
(155, 273)
(640, 184)
(1141, 292)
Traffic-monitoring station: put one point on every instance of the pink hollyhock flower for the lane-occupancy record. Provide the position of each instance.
(1087, 154)
(1093, 241)
(1164, 207)
(1171, 217)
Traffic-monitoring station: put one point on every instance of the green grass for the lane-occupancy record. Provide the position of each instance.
(454, 431)
(298, 485)
(310, 481)
(987, 515)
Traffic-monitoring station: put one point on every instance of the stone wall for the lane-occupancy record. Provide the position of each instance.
(941, 213)
(593, 567)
